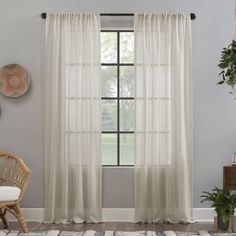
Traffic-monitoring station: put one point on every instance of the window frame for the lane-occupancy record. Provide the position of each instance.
(118, 64)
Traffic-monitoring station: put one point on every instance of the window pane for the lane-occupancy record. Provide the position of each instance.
(109, 149)
(126, 81)
(109, 81)
(165, 149)
(127, 115)
(109, 115)
(127, 149)
(109, 47)
(127, 47)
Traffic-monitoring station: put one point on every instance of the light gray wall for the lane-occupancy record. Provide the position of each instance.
(214, 109)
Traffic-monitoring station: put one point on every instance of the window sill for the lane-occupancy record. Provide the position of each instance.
(118, 167)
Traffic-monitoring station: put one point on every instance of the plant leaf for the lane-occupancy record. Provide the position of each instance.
(221, 82)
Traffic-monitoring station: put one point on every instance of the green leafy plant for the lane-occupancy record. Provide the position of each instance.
(228, 66)
(223, 201)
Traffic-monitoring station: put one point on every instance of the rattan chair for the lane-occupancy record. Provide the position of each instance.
(14, 175)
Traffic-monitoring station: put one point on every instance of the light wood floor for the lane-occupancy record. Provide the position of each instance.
(116, 226)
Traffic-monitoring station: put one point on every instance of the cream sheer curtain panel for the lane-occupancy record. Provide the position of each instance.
(163, 158)
(73, 180)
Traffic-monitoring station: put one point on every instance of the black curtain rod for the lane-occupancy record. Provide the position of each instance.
(192, 15)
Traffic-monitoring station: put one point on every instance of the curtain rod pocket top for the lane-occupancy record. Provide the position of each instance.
(192, 15)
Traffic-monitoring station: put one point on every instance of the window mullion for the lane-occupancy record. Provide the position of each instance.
(118, 100)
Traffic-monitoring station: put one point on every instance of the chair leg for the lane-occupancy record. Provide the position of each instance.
(3, 218)
(20, 218)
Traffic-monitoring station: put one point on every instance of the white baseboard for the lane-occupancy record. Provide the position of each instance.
(118, 214)
(203, 214)
(115, 214)
(30, 214)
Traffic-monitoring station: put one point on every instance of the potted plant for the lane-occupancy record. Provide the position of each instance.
(228, 66)
(224, 203)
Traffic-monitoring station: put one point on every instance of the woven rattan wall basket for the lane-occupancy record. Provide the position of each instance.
(14, 80)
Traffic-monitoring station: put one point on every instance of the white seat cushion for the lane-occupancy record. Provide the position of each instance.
(9, 193)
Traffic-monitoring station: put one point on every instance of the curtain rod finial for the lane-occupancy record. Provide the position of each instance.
(192, 16)
(44, 15)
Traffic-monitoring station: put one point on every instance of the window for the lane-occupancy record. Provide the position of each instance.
(118, 108)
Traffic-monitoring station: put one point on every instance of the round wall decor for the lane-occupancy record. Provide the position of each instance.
(14, 80)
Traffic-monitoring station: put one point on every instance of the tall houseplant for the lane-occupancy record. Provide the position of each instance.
(228, 66)
(224, 203)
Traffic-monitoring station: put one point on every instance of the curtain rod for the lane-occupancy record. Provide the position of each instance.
(192, 15)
